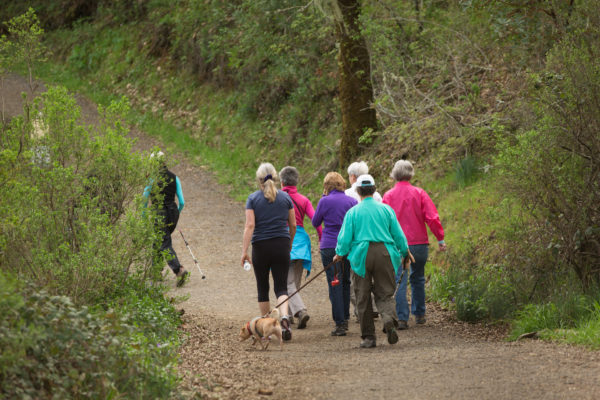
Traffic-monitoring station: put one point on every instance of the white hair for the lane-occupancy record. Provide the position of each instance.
(403, 171)
(358, 168)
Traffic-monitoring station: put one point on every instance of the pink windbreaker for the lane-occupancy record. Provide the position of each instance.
(414, 209)
(302, 206)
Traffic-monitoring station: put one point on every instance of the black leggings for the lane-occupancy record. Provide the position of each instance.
(274, 255)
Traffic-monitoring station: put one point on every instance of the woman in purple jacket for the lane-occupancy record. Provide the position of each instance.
(331, 211)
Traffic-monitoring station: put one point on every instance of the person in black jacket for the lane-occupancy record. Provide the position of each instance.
(168, 186)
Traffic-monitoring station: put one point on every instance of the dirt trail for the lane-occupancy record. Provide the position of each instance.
(443, 359)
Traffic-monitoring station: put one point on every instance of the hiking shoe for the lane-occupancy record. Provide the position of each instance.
(368, 342)
(420, 319)
(390, 330)
(338, 331)
(286, 332)
(303, 318)
(183, 277)
(402, 325)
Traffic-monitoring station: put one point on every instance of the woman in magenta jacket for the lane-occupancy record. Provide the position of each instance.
(415, 211)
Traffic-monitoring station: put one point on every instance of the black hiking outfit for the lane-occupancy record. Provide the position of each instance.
(168, 215)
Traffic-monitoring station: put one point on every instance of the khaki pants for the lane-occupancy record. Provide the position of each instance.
(294, 280)
(379, 279)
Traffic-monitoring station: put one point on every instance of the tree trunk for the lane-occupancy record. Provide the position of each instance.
(356, 91)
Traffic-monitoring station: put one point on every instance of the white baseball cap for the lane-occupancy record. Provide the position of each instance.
(365, 180)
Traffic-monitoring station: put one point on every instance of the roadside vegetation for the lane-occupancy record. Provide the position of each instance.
(84, 312)
(496, 104)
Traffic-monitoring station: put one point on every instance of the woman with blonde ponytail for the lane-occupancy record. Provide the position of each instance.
(270, 227)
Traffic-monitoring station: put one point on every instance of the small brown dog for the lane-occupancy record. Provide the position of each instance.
(261, 329)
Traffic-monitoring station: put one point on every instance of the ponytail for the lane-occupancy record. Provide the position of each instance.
(266, 175)
(270, 190)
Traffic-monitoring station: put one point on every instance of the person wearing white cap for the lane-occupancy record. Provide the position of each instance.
(355, 170)
(374, 243)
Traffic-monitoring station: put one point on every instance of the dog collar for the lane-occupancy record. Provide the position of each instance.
(248, 327)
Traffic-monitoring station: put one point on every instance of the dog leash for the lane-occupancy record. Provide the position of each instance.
(195, 261)
(302, 287)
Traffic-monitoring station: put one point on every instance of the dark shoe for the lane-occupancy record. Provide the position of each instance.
(291, 319)
(286, 332)
(367, 343)
(390, 330)
(303, 318)
(345, 324)
(420, 319)
(183, 277)
(338, 331)
(375, 315)
(402, 325)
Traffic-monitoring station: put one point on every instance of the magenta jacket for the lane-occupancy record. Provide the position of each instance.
(414, 209)
(302, 207)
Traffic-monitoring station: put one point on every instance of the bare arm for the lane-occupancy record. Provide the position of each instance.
(248, 231)
(292, 225)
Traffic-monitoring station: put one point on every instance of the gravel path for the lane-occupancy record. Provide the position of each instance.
(444, 359)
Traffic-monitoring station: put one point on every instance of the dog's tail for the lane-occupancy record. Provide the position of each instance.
(275, 313)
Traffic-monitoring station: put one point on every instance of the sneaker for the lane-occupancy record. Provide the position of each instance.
(390, 330)
(345, 324)
(420, 319)
(183, 277)
(286, 332)
(368, 342)
(303, 318)
(402, 325)
(338, 331)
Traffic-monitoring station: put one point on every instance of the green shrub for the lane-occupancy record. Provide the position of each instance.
(552, 167)
(70, 205)
(50, 348)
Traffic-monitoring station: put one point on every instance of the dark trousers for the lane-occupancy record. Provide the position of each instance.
(339, 295)
(271, 255)
(168, 217)
(379, 279)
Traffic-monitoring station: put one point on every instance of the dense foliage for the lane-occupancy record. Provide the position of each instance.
(495, 102)
(50, 348)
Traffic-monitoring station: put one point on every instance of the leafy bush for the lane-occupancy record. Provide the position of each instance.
(475, 292)
(70, 204)
(50, 348)
(553, 167)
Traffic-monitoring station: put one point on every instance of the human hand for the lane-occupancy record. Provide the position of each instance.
(245, 257)
(442, 246)
(408, 260)
(337, 258)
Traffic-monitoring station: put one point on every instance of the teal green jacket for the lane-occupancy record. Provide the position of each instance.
(370, 221)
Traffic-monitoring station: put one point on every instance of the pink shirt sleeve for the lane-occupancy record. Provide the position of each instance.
(432, 218)
(310, 211)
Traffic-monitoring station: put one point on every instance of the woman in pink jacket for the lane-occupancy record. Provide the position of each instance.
(414, 210)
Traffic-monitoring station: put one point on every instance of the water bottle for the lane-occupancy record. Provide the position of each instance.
(247, 265)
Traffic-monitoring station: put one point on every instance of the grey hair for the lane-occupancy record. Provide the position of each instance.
(358, 168)
(289, 176)
(403, 171)
(269, 189)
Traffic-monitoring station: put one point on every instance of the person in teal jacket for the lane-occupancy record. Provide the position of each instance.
(374, 243)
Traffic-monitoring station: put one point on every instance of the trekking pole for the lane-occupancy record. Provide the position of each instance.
(195, 261)
(412, 259)
(302, 287)
(399, 282)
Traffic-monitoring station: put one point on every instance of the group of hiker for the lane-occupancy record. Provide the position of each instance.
(365, 242)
